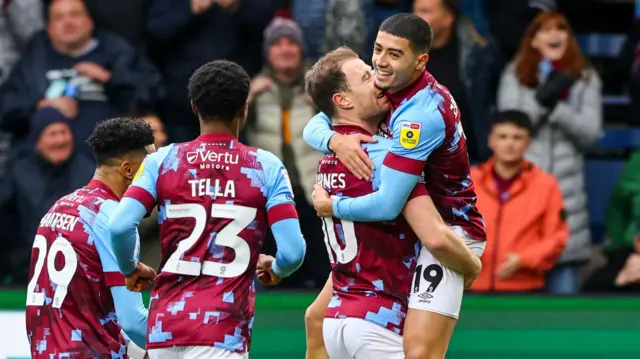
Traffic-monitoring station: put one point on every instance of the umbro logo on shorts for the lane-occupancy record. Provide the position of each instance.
(426, 295)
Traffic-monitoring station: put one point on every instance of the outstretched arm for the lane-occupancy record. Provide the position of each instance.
(318, 132)
(413, 142)
(319, 136)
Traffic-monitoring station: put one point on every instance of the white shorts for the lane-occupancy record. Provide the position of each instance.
(195, 352)
(436, 288)
(354, 338)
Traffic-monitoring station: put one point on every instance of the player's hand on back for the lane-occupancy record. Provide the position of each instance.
(322, 202)
(140, 279)
(264, 272)
(349, 152)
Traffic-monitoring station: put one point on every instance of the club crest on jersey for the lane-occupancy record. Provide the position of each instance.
(410, 134)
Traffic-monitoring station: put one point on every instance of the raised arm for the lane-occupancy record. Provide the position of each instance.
(413, 142)
(283, 217)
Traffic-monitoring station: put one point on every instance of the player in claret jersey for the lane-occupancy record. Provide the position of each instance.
(372, 262)
(77, 302)
(216, 197)
(427, 138)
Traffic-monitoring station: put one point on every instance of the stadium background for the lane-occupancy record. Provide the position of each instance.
(500, 326)
(491, 327)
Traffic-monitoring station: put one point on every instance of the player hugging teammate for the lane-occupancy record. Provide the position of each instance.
(373, 295)
(402, 231)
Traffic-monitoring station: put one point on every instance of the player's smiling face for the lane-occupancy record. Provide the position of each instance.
(365, 98)
(395, 62)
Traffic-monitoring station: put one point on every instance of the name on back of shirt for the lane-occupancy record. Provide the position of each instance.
(62, 221)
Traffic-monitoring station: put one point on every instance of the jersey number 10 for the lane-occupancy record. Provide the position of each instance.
(350, 250)
(61, 278)
(228, 237)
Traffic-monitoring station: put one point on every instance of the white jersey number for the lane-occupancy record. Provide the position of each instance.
(61, 278)
(227, 237)
(350, 250)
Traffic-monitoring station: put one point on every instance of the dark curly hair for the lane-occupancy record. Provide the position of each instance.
(219, 90)
(118, 137)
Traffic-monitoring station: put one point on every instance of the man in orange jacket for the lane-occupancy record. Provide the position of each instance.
(523, 212)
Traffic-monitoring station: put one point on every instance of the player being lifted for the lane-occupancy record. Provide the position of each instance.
(217, 197)
(427, 136)
(77, 302)
(373, 262)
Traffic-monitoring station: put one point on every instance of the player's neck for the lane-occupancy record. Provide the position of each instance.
(348, 120)
(213, 128)
(507, 170)
(111, 179)
(416, 75)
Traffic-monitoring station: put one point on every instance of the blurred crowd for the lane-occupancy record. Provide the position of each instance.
(531, 100)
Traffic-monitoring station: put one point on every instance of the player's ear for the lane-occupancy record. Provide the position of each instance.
(341, 101)
(194, 108)
(244, 109)
(127, 170)
(422, 62)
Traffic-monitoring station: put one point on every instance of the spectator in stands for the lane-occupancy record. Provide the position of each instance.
(552, 82)
(88, 76)
(522, 209)
(621, 273)
(508, 20)
(35, 182)
(328, 24)
(278, 111)
(19, 20)
(185, 34)
(467, 64)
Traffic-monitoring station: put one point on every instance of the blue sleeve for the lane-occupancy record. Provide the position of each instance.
(286, 227)
(149, 170)
(103, 240)
(392, 191)
(291, 246)
(418, 129)
(123, 231)
(132, 314)
(318, 132)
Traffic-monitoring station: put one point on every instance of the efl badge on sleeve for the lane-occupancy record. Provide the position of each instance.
(410, 134)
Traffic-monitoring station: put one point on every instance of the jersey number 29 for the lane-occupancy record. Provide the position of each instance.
(61, 278)
(348, 234)
(228, 237)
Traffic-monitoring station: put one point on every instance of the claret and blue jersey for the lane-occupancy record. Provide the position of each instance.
(427, 137)
(77, 302)
(216, 198)
(372, 262)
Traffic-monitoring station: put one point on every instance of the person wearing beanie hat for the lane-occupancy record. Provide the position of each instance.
(34, 182)
(278, 111)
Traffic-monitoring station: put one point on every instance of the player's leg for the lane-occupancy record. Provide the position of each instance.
(202, 352)
(434, 305)
(168, 353)
(313, 319)
(366, 340)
